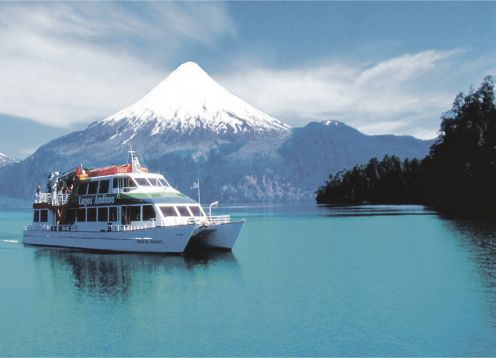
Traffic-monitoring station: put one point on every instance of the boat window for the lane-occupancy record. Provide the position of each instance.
(91, 214)
(81, 215)
(92, 187)
(154, 181)
(36, 217)
(71, 216)
(103, 214)
(183, 211)
(142, 181)
(115, 183)
(148, 212)
(113, 213)
(163, 182)
(82, 188)
(195, 210)
(129, 182)
(43, 216)
(103, 187)
(168, 211)
(134, 213)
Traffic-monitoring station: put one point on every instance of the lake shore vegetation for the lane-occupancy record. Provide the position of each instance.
(458, 176)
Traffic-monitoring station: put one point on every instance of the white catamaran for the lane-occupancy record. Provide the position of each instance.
(124, 208)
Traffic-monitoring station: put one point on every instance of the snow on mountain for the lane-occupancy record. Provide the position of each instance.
(189, 99)
(6, 160)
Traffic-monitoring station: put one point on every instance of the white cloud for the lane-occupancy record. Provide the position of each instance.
(64, 63)
(68, 63)
(395, 95)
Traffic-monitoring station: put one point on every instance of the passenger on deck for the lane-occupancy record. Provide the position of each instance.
(38, 194)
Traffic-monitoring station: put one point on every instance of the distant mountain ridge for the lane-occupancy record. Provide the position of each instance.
(189, 127)
(5, 160)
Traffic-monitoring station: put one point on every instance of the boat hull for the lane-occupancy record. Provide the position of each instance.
(163, 239)
(216, 236)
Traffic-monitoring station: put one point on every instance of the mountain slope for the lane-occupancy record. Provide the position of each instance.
(319, 148)
(6, 160)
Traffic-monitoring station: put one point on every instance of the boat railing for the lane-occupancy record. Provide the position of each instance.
(130, 227)
(51, 228)
(50, 198)
(219, 219)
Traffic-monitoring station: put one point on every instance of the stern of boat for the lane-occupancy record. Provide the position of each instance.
(221, 233)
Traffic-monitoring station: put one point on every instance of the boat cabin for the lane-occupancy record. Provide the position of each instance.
(115, 198)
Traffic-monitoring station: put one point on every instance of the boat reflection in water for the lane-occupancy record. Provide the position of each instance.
(119, 275)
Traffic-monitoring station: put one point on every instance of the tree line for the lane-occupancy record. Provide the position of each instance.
(458, 176)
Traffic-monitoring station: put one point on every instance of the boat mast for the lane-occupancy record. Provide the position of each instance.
(133, 160)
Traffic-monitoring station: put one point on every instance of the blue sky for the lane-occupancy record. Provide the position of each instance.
(382, 67)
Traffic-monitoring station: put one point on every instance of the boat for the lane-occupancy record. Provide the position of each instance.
(124, 208)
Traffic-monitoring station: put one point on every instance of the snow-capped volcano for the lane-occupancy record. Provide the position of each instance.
(189, 99)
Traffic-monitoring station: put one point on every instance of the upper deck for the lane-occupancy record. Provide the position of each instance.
(104, 185)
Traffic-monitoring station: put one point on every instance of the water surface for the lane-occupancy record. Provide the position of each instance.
(302, 280)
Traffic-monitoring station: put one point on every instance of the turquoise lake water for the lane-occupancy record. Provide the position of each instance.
(302, 280)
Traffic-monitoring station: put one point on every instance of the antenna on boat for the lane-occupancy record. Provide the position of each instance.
(133, 159)
(196, 185)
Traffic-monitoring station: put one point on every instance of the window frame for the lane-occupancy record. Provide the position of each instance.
(197, 207)
(112, 208)
(101, 184)
(154, 217)
(93, 187)
(102, 209)
(164, 182)
(80, 186)
(81, 210)
(162, 207)
(137, 180)
(179, 207)
(43, 215)
(91, 218)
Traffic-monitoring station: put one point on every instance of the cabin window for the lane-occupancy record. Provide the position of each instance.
(113, 213)
(129, 182)
(163, 182)
(103, 214)
(70, 216)
(36, 217)
(148, 212)
(82, 188)
(142, 181)
(154, 181)
(168, 211)
(103, 188)
(43, 216)
(115, 183)
(92, 187)
(195, 210)
(91, 214)
(183, 211)
(81, 215)
(134, 213)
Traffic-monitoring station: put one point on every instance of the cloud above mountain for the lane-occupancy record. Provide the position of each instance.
(68, 64)
(64, 63)
(386, 96)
